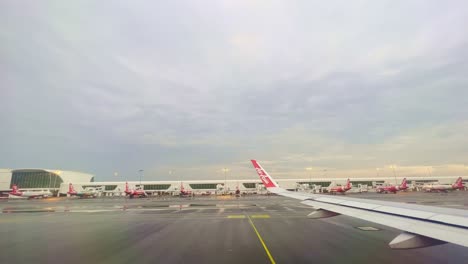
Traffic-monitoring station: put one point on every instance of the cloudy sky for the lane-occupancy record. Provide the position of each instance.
(344, 87)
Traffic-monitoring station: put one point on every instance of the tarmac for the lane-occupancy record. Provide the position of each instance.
(251, 229)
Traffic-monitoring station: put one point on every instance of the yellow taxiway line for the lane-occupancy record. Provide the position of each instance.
(236, 216)
(260, 216)
(261, 241)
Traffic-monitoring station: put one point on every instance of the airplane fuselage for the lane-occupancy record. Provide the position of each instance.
(340, 189)
(28, 195)
(391, 189)
(438, 188)
(137, 193)
(84, 194)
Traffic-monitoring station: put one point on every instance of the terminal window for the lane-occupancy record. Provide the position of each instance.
(156, 186)
(250, 185)
(92, 186)
(36, 179)
(196, 186)
(110, 187)
(369, 183)
(323, 184)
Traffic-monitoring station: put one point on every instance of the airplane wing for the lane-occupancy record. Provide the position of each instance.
(422, 225)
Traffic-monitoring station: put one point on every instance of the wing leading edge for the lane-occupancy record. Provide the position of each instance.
(422, 225)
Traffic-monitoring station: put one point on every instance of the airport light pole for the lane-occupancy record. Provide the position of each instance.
(225, 170)
(170, 176)
(429, 171)
(394, 174)
(116, 175)
(237, 181)
(309, 170)
(141, 174)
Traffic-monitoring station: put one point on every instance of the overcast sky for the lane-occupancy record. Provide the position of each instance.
(344, 87)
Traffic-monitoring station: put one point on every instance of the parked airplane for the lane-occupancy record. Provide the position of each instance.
(422, 225)
(393, 188)
(444, 187)
(184, 192)
(82, 194)
(340, 189)
(15, 193)
(132, 192)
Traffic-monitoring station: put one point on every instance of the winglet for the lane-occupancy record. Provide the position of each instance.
(267, 180)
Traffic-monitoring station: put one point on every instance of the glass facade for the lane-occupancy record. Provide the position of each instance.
(356, 183)
(93, 186)
(250, 185)
(156, 186)
(425, 181)
(35, 179)
(110, 187)
(195, 186)
(323, 184)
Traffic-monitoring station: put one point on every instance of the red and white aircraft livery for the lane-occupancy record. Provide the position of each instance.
(422, 225)
(15, 193)
(184, 192)
(82, 194)
(340, 189)
(393, 188)
(266, 179)
(132, 192)
(458, 185)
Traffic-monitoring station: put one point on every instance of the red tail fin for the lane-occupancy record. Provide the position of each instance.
(459, 183)
(268, 182)
(15, 189)
(403, 184)
(126, 187)
(348, 184)
(70, 188)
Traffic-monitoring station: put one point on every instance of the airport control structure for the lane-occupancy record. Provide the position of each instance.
(58, 181)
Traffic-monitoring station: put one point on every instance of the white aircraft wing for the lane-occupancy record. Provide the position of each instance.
(422, 225)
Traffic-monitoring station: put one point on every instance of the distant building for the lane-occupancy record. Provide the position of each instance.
(40, 178)
(200, 187)
(58, 181)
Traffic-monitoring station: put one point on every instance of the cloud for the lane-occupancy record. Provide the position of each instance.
(341, 86)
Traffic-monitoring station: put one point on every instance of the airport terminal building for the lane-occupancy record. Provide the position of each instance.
(247, 186)
(57, 181)
(40, 179)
